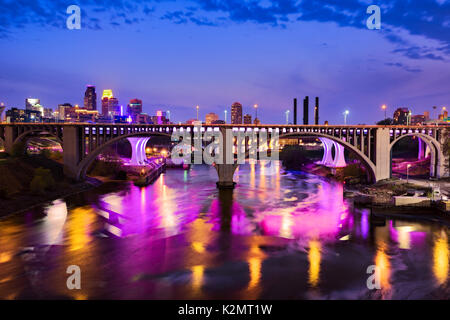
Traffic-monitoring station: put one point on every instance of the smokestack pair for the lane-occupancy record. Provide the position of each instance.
(306, 111)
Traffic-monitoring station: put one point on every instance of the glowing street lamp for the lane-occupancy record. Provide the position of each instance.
(256, 111)
(407, 172)
(346, 113)
(384, 107)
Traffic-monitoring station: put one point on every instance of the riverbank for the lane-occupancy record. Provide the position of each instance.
(21, 190)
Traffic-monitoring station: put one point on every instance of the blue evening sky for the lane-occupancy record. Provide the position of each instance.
(176, 54)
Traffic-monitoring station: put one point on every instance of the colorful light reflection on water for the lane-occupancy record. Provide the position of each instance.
(277, 235)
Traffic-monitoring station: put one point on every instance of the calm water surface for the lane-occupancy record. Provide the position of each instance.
(278, 235)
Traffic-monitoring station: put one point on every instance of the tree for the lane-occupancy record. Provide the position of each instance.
(42, 181)
(386, 122)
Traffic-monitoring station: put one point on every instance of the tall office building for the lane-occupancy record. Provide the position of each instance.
(247, 119)
(90, 98)
(211, 117)
(134, 109)
(2, 108)
(110, 104)
(30, 103)
(236, 113)
(401, 116)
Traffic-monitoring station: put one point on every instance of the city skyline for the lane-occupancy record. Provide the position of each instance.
(184, 54)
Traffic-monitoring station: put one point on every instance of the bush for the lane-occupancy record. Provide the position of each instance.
(18, 150)
(42, 181)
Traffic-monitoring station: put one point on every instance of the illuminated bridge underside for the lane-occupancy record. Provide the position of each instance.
(82, 143)
(138, 155)
(339, 159)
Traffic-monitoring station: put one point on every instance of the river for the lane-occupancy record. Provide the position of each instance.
(277, 235)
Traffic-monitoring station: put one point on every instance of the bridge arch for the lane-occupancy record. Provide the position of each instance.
(370, 166)
(23, 135)
(85, 163)
(437, 155)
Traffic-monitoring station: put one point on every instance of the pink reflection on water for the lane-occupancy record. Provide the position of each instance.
(322, 214)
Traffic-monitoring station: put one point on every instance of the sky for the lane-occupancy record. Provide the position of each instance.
(175, 55)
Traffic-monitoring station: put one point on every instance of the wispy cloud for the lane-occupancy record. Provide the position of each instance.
(425, 18)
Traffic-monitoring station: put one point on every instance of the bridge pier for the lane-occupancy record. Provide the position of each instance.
(9, 139)
(327, 159)
(226, 173)
(138, 154)
(72, 151)
(382, 156)
(339, 156)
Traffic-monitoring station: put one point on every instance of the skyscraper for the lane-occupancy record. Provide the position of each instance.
(2, 108)
(295, 111)
(134, 109)
(90, 98)
(401, 116)
(110, 105)
(236, 113)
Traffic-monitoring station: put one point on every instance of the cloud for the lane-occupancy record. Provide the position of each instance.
(404, 67)
(425, 18)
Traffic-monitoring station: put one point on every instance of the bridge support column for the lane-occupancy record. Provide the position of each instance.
(339, 156)
(72, 151)
(226, 169)
(327, 159)
(422, 145)
(382, 154)
(9, 139)
(138, 155)
(226, 173)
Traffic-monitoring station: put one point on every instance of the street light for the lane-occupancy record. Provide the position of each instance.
(287, 116)
(407, 173)
(346, 113)
(384, 107)
(256, 111)
(197, 107)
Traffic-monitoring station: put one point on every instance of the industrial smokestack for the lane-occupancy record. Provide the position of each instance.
(316, 112)
(295, 111)
(305, 111)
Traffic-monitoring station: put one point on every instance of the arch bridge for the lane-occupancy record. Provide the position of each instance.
(82, 143)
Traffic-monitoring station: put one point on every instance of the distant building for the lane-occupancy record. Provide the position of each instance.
(160, 118)
(247, 119)
(211, 117)
(2, 108)
(256, 121)
(218, 122)
(23, 115)
(63, 111)
(90, 98)
(236, 113)
(107, 94)
(144, 118)
(418, 119)
(401, 116)
(134, 109)
(30, 103)
(427, 115)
